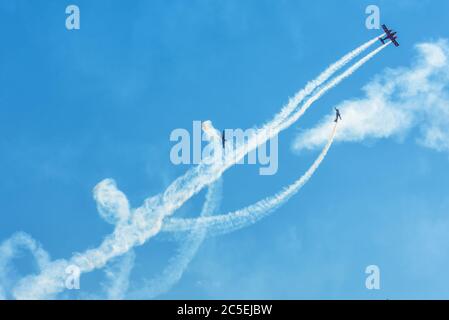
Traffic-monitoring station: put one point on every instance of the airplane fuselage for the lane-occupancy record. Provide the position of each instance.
(389, 35)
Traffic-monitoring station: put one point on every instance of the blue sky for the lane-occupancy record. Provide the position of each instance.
(100, 102)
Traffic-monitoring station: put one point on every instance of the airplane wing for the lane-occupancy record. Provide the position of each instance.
(387, 31)
(395, 42)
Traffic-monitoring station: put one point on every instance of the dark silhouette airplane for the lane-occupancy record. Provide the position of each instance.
(389, 35)
(223, 139)
(337, 115)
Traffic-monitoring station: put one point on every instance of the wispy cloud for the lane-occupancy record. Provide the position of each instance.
(396, 101)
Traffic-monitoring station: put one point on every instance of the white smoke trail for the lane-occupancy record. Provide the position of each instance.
(117, 281)
(190, 245)
(332, 83)
(212, 134)
(262, 136)
(229, 222)
(318, 81)
(268, 131)
(118, 276)
(9, 250)
(293, 103)
(143, 222)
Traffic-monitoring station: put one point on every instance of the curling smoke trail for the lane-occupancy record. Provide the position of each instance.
(190, 245)
(146, 221)
(9, 250)
(226, 223)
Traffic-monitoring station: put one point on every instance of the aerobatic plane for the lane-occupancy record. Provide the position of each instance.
(389, 35)
(337, 115)
(223, 139)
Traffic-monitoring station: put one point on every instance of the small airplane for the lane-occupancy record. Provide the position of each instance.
(337, 115)
(389, 35)
(223, 139)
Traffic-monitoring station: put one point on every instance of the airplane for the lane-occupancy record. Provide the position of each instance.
(223, 139)
(389, 35)
(338, 115)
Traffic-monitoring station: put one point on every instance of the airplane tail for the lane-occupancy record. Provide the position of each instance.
(382, 40)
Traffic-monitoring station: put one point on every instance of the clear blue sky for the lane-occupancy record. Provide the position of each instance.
(80, 106)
